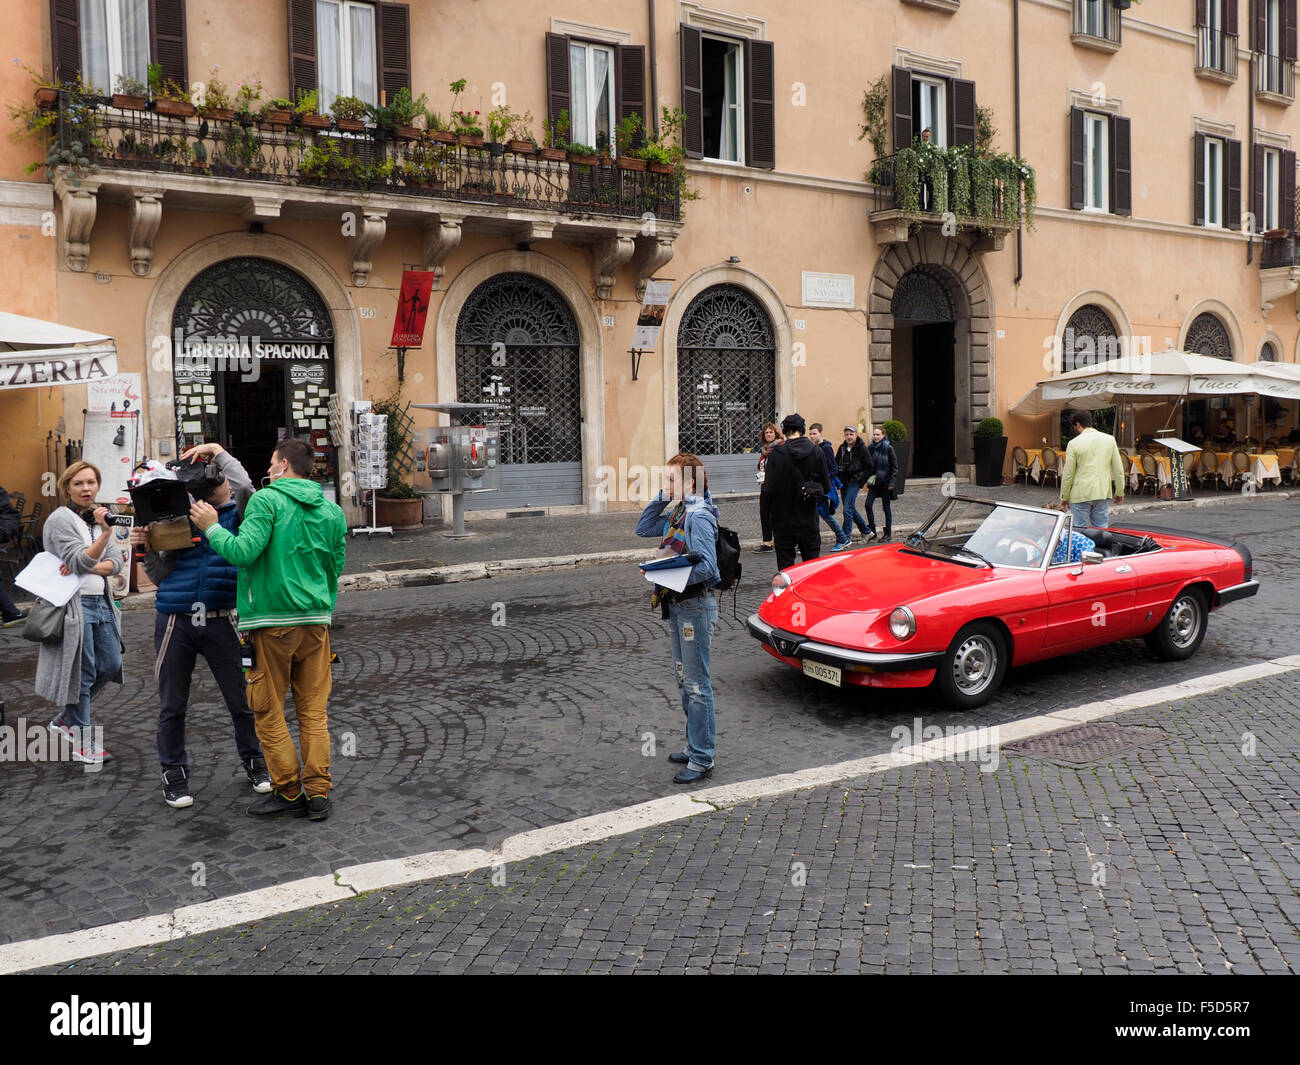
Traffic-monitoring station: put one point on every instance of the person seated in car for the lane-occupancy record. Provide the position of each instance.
(1070, 548)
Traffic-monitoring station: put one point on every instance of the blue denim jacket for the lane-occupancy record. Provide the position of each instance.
(701, 532)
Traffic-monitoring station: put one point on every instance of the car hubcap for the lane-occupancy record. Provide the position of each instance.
(974, 665)
(1184, 622)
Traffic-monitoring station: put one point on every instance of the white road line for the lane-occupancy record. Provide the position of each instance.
(349, 881)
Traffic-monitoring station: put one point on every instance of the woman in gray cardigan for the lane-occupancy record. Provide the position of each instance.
(73, 671)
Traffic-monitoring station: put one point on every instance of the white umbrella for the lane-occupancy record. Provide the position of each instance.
(39, 354)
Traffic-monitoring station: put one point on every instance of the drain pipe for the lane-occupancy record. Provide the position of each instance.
(654, 74)
(1250, 147)
(1015, 34)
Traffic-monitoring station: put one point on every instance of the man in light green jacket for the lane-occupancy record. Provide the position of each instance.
(1093, 474)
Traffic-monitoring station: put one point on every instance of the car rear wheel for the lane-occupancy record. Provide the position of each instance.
(973, 667)
(1182, 629)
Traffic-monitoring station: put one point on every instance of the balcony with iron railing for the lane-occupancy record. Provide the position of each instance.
(1279, 263)
(1274, 78)
(1216, 54)
(1096, 24)
(268, 169)
(955, 190)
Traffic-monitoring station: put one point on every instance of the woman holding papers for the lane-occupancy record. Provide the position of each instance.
(71, 672)
(686, 521)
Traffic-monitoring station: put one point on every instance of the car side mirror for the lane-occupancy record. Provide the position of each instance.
(1091, 558)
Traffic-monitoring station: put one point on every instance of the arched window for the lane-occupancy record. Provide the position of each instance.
(1268, 353)
(1090, 337)
(1207, 335)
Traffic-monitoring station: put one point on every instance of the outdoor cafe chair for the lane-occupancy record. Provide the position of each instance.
(29, 543)
(1149, 474)
(1240, 468)
(1020, 457)
(1207, 469)
(1051, 465)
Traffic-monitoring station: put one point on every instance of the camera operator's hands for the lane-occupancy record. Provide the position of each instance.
(203, 516)
(101, 517)
(202, 451)
(140, 535)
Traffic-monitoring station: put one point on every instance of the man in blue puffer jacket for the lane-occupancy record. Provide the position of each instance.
(196, 616)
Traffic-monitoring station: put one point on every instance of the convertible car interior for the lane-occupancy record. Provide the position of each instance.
(1116, 544)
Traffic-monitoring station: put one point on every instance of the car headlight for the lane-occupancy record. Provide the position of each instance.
(780, 583)
(902, 623)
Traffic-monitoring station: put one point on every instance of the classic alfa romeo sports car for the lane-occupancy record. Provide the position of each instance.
(984, 585)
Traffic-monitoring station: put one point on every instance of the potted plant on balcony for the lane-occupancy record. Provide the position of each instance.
(468, 131)
(896, 432)
(990, 452)
(555, 135)
(307, 110)
(247, 95)
(625, 141)
(216, 100)
(320, 162)
(130, 94)
(168, 97)
(349, 114)
(522, 141)
(423, 165)
(438, 129)
(277, 113)
(582, 154)
(398, 116)
(874, 128)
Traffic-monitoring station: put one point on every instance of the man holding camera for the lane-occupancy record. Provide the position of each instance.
(196, 616)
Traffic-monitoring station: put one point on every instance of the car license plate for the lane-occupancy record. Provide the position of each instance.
(821, 671)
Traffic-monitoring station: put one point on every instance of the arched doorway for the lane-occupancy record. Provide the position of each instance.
(253, 361)
(924, 365)
(726, 383)
(517, 346)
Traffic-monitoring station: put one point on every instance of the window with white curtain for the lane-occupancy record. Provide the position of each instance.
(1096, 163)
(591, 100)
(723, 67)
(114, 41)
(1272, 189)
(1212, 206)
(346, 53)
(930, 110)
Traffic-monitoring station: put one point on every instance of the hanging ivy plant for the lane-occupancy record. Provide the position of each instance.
(907, 185)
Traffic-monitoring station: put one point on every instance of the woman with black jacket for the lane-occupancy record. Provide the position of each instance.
(854, 467)
(883, 468)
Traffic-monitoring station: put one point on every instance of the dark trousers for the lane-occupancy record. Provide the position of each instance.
(7, 607)
(807, 538)
(178, 643)
(874, 493)
(765, 515)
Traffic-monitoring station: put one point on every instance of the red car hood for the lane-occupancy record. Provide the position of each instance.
(880, 578)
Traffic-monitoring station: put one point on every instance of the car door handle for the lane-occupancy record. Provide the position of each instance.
(1126, 568)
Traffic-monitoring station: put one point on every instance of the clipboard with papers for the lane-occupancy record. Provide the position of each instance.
(671, 572)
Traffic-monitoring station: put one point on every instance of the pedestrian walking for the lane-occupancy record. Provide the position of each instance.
(290, 550)
(853, 464)
(768, 439)
(689, 528)
(883, 466)
(195, 615)
(76, 668)
(826, 509)
(798, 481)
(1093, 474)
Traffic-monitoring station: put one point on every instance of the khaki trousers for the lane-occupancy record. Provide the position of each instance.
(296, 657)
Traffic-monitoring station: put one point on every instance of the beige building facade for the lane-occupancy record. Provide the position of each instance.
(1160, 137)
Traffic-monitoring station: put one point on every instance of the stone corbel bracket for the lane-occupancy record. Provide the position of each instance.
(79, 203)
(652, 255)
(1275, 283)
(145, 218)
(371, 227)
(441, 237)
(607, 256)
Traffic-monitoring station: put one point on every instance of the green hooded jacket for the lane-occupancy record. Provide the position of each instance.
(290, 550)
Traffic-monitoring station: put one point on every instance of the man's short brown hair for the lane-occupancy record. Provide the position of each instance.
(299, 454)
(817, 426)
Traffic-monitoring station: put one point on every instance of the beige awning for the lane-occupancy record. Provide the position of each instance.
(39, 354)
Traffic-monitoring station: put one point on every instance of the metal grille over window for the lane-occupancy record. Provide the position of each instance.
(921, 297)
(252, 297)
(517, 348)
(1089, 337)
(726, 372)
(1208, 336)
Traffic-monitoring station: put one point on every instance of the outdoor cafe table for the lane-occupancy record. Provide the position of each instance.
(1164, 471)
(1265, 467)
(1035, 456)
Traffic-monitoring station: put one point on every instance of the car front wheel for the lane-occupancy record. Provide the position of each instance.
(1181, 630)
(973, 667)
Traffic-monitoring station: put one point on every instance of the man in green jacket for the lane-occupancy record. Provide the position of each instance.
(290, 550)
(1093, 474)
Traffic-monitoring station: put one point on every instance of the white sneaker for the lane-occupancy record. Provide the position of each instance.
(59, 728)
(90, 755)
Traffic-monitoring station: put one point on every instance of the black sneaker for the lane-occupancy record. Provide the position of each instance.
(176, 789)
(257, 775)
(278, 804)
(318, 807)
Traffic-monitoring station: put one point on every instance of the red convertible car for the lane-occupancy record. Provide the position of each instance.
(985, 585)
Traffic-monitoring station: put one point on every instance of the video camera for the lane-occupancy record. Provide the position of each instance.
(163, 501)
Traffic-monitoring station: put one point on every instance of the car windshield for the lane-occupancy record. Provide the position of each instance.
(976, 532)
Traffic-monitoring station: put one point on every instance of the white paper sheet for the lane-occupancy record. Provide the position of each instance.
(674, 579)
(42, 577)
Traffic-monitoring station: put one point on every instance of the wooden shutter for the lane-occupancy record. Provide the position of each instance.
(302, 47)
(692, 49)
(629, 67)
(1260, 8)
(1257, 186)
(65, 41)
(1203, 12)
(1232, 185)
(1121, 165)
(393, 44)
(1198, 179)
(760, 104)
(1076, 158)
(558, 85)
(1229, 16)
(1289, 30)
(167, 39)
(961, 124)
(1286, 192)
(903, 132)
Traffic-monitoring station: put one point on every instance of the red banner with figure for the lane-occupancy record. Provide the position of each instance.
(412, 308)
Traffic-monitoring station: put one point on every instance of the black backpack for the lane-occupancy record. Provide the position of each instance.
(728, 552)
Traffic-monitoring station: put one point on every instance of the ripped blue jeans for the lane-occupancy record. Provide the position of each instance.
(690, 627)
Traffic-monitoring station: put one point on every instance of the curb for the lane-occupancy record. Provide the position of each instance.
(477, 571)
